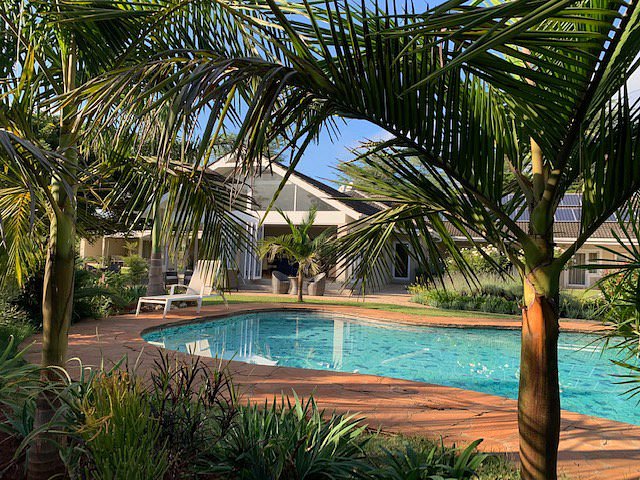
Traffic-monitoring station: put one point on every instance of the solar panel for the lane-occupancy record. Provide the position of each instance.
(564, 215)
(624, 216)
(577, 214)
(520, 216)
(571, 200)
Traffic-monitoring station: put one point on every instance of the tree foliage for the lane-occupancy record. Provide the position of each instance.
(120, 171)
(463, 88)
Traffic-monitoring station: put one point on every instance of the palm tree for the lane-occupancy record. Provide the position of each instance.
(223, 145)
(506, 106)
(48, 52)
(298, 247)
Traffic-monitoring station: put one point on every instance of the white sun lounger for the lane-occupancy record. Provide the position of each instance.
(200, 287)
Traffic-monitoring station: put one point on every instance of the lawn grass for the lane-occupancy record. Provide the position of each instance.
(387, 307)
(582, 293)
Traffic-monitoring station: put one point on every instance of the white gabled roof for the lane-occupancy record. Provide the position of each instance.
(341, 201)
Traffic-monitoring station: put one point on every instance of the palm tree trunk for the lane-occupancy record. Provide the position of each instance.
(300, 282)
(539, 394)
(57, 301)
(57, 304)
(44, 460)
(156, 280)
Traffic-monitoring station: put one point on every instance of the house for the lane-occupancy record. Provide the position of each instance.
(566, 230)
(335, 209)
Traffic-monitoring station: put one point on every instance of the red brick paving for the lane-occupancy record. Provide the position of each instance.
(590, 448)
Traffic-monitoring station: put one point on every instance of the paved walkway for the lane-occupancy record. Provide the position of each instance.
(590, 448)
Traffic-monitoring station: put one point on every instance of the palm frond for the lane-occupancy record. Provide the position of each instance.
(298, 246)
(463, 88)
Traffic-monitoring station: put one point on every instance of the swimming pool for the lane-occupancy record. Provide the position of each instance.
(484, 360)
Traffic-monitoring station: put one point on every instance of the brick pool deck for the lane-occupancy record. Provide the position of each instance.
(590, 448)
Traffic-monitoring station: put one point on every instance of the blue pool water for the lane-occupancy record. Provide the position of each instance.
(484, 360)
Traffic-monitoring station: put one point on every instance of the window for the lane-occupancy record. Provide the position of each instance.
(252, 265)
(292, 197)
(265, 188)
(305, 200)
(401, 261)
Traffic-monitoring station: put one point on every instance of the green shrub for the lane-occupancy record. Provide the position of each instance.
(425, 460)
(499, 467)
(452, 300)
(495, 295)
(19, 384)
(90, 296)
(17, 377)
(585, 308)
(123, 295)
(508, 289)
(196, 406)
(292, 440)
(483, 260)
(187, 408)
(121, 436)
(185, 423)
(96, 294)
(135, 269)
(14, 323)
(18, 331)
(29, 298)
(495, 304)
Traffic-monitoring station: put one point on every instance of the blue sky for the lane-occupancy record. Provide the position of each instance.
(320, 159)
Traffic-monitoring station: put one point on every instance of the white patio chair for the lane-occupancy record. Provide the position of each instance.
(200, 286)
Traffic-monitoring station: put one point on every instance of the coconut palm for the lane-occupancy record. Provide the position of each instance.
(298, 247)
(49, 50)
(495, 111)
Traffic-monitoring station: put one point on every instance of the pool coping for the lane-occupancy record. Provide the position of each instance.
(566, 326)
(591, 447)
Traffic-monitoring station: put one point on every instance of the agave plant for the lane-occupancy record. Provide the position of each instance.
(293, 439)
(495, 110)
